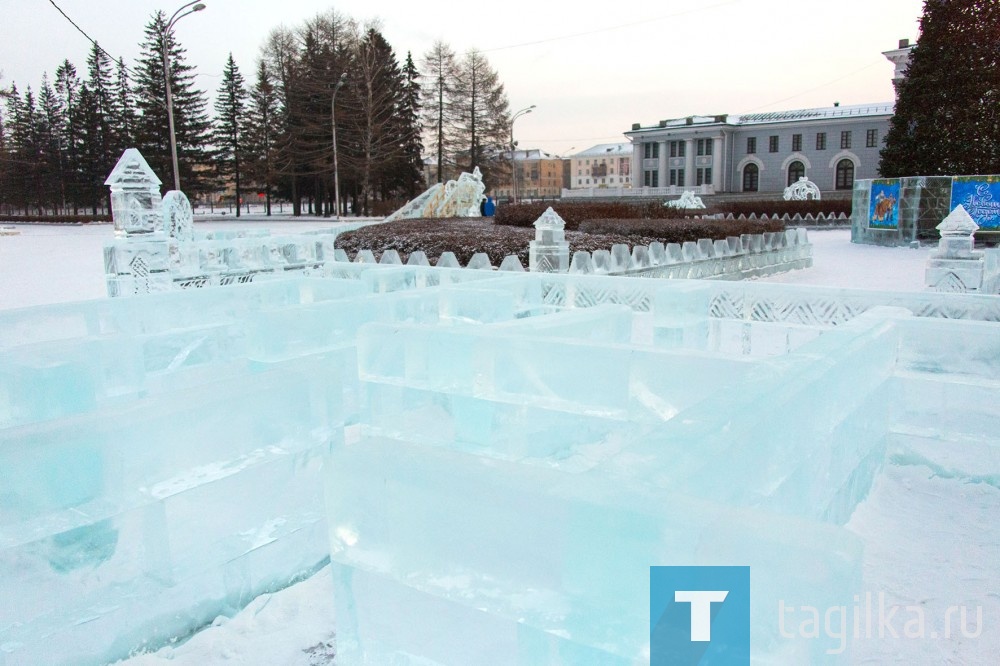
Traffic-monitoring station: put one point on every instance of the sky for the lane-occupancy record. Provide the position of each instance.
(591, 68)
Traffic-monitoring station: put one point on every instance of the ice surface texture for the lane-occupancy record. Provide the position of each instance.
(529, 445)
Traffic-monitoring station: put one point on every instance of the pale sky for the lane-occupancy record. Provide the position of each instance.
(592, 68)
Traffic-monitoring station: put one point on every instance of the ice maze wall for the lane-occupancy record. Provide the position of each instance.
(491, 461)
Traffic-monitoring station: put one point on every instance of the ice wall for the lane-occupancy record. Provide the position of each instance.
(529, 445)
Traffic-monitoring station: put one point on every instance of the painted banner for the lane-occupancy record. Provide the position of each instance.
(980, 195)
(883, 212)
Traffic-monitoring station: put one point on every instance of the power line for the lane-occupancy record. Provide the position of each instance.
(596, 31)
(92, 40)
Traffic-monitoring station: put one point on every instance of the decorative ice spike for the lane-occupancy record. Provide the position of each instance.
(511, 263)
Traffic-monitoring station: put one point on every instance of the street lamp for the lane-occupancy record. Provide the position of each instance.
(513, 146)
(198, 6)
(333, 122)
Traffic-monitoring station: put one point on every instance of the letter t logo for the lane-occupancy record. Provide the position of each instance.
(701, 611)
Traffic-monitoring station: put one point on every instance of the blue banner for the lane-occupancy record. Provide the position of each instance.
(980, 196)
(883, 212)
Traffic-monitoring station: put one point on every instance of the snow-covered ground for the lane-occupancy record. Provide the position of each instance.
(932, 542)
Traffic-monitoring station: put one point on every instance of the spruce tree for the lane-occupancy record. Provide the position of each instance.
(124, 109)
(51, 120)
(67, 85)
(947, 118)
(191, 124)
(262, 129)
(230, 104)
(101, 148)
(409, 175)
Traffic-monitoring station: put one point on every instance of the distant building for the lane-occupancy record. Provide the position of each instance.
(539, 175)
(761, 152)
(764, 152)
(602, 166)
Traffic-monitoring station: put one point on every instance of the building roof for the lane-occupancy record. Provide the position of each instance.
(767, 117)
(606, 150)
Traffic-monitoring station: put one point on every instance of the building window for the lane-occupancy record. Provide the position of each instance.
(673, 149)
(708, 146)
(699, 176)
(821, 141)
(677, 177)
(772, 143)
(673, 176)
(796, 143)
(681, 148)
(845, 139)
(703, 176)
(796, 170)
(845, 174)
(751, 145)
(751, 178)
(871, 138)
(651, 151)
(708, 176)
(651, 178)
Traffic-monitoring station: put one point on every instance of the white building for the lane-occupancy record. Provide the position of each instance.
(602, 166)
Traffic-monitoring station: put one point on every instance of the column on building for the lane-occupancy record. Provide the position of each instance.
(689, 178)
(661, 164)
(637, 150)
(717, 164)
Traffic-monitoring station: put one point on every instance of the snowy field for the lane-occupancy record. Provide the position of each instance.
(932, 540)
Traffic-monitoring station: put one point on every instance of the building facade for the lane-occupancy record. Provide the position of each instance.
(607, 165)
(540, 175)
(761, 152)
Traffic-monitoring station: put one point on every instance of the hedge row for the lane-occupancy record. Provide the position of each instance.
(679, 231)
(57, 219)
(575, 212)
(466, 237)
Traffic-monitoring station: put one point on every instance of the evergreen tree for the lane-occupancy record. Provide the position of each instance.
(52, 159)
(124, 110)
(67, 87)
(230, 104)
(482, 113)
(440, 74)
(262, 128)
(408, 175)
(191, 125)
(947, 118)
(101, 149)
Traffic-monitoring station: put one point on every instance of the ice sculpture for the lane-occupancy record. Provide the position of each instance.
(801, 190)
(460, 198)
(687, 200)
(178, 220)
(135, 196)
(956, 266)
(549, 252)
(529, 444)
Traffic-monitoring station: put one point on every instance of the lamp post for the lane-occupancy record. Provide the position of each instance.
(197, 7)
(513, 146)
(333, 122)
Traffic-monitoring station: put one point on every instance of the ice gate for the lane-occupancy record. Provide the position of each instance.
(490, 461)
